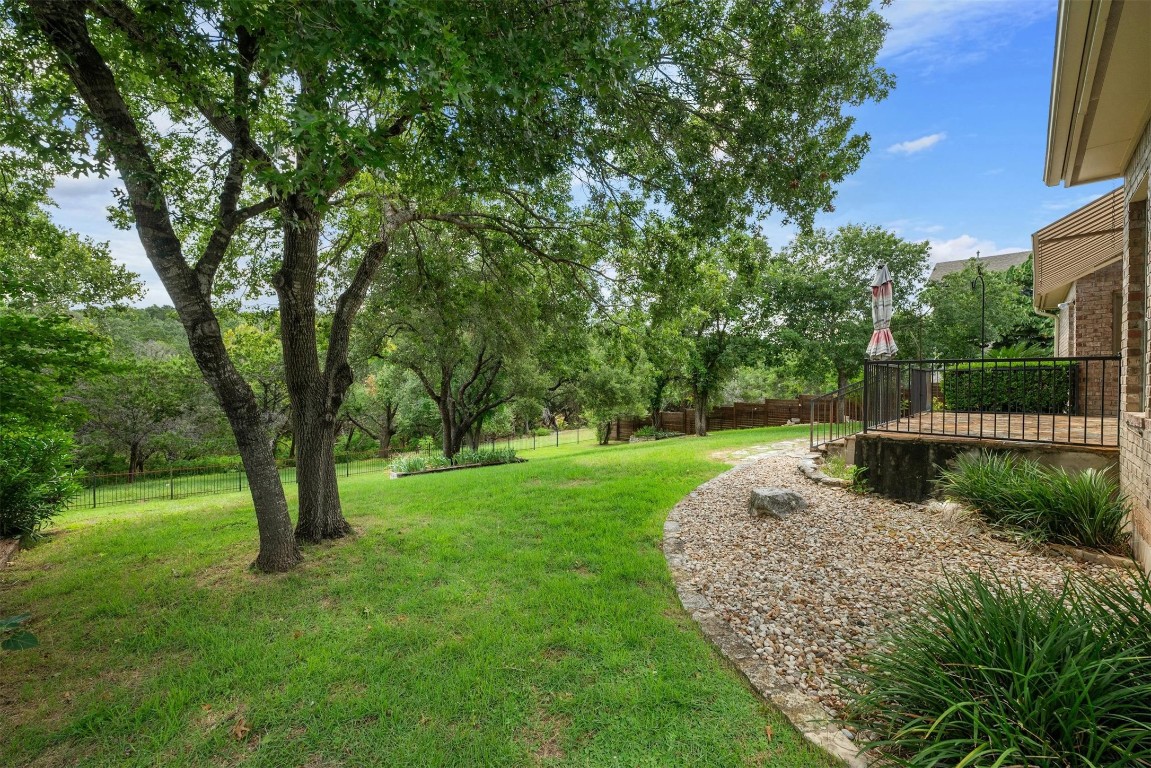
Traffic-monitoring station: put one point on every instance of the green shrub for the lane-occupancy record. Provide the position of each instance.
(36, 477)
(484, 456)
(658, 434)
(990, 387)
(991, 674)
(1083, 509)
(418, 463)
(542, 431)
(466, 456)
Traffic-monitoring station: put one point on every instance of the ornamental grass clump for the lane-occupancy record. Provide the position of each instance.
(419, 463)
(465, 457)
(484, 456)
(994, 674)
(1082, 509)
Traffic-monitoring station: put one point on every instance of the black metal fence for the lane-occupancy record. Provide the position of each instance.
(1064, 400)
(182, 482)
(836, 415)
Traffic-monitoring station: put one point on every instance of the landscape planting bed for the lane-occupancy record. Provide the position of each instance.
(809, 592)
(435, 470)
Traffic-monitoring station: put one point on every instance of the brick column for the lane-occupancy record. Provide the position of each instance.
(1134, 375)
(1135, 427)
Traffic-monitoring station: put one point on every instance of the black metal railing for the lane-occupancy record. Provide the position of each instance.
(1063, 400)
(836, 415)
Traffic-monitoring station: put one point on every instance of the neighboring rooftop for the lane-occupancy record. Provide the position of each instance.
(1000, 262)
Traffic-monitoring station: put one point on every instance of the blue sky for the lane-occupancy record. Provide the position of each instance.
(957, 148)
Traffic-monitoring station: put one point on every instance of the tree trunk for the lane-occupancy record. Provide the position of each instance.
(315, 397)
(321, 515)
(604, 434)
(386, 442)
(657, 403)
(133, 456)
(447, 424)
(65, 26)
(700, 413)
(474, 433)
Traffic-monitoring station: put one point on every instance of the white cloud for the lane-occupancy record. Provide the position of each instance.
(941, 34)
(81, 205)
(912, 228)
(912, 146)
(965, 247)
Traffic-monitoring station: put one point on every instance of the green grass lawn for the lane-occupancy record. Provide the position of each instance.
(506, 616)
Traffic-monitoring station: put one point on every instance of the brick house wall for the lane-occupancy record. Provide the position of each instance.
(1135, 427)
(1091, 333)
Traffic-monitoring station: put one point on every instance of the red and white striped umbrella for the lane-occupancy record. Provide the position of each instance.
(882, 344)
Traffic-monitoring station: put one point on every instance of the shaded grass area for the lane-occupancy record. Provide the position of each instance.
(505, 616)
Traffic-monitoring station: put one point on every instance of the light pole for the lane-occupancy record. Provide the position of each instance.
(982, 307)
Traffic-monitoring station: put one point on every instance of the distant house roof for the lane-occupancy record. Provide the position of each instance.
(998, 263)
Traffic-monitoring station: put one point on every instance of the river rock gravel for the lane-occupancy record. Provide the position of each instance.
(812, 590)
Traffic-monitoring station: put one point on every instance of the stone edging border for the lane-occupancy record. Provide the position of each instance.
(809, 468)
(807, 716)
(1090, 556)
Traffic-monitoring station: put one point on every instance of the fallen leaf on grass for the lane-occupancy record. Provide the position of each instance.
(240, 730)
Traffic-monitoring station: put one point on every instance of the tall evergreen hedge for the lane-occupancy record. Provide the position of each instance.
(999, 386)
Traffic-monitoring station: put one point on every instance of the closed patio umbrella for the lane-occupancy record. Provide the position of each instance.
(882, 345)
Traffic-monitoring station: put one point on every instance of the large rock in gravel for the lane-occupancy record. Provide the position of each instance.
(776, 502)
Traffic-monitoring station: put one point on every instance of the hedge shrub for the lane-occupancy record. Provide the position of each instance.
(1016, 387)
(36, 477)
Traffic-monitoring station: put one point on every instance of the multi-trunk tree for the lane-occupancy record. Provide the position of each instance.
(240, 129)
(476, 323)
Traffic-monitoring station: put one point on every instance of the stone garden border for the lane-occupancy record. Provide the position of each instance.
(809, 468)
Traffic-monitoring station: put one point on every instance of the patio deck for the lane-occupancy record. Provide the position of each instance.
(1099, 431)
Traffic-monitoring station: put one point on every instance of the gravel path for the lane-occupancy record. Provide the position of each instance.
(809, 591)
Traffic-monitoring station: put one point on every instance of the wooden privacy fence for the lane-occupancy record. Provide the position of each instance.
(769, 413)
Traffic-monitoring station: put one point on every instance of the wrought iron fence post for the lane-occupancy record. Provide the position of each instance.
(171, 484)
(866, 388)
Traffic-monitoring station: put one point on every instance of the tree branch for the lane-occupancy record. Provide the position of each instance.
(124, 18)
